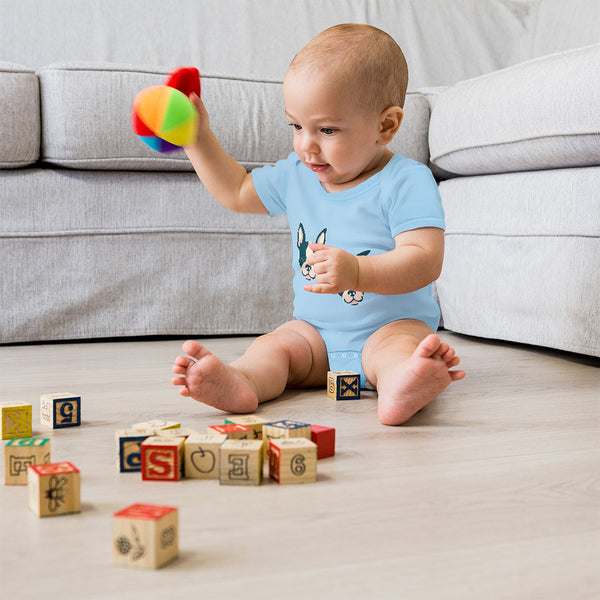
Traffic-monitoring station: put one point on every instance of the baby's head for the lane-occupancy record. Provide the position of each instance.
(364, 58)
(343, 95)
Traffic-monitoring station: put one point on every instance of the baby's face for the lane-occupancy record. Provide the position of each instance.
(332, 136)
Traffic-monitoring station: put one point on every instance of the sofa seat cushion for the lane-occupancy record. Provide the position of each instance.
(19, 116)
(86, 119)
(540, 114)
(522, 259)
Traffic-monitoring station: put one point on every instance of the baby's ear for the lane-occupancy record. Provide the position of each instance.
(389, 123)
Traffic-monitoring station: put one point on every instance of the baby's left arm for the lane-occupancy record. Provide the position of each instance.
(415, 262)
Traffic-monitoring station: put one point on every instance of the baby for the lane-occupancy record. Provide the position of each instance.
(368, 233)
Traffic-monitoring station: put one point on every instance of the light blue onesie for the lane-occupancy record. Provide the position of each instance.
(362, 220)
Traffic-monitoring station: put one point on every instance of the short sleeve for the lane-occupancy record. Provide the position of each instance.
(413, 199)
(270, 183)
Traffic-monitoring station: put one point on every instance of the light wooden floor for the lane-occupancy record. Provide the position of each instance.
(492, 491)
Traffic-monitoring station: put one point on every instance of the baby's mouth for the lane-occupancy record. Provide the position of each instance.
(318, 168)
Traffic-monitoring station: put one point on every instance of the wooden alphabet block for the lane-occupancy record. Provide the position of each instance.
(183, 432)
(16, 420)
(128, 449)
(202, 455)
(20, 453)
(343, 385)
(253, 421)
(284, 429)
(232, 431)
(156, 425)
(162, 458)
(54, 489)
(60, 410)
(241, 462)
(324, 438)
(293, 460)
(145, 536)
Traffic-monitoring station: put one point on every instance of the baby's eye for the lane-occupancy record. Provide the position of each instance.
(328, 130)
(296, 126)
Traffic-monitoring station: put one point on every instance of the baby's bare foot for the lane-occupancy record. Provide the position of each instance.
(207, 379)
(414, 383)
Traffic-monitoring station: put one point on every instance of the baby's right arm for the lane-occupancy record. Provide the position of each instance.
(224, 177)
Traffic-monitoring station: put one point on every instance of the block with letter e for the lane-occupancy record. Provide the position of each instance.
(145, 536)
(162, 458)
(54, 489)
(241, 462)
(60, 410)
(343, 385)
(19, 454)
(16, 420)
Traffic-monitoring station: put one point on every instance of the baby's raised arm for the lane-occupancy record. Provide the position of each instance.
(225, 178)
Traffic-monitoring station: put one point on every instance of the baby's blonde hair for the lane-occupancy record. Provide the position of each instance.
(362, 56)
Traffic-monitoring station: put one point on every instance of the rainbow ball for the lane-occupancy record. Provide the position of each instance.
(164, 118)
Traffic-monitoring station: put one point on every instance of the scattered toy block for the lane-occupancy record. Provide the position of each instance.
(183, 432)
(253, 421)
(202, 455)
(324, 438)
(343, 385)
(20, 453)
(145, 536)
(54, 489)
(16, 420)
(284, 429)
(156, 425)
(128, 451)
(60, 410)
(232, 431)
(241, 462)
(292, 460)
(162, 458)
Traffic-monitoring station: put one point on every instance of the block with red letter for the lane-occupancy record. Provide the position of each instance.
(16, 420)
(162, 458)
(293, 460)
(241, 462)
(343, 385)
(324, 438)
(232, 431)
(60, 410)
(202, 455)
(20, 453)
(145, 536)
(54, 489)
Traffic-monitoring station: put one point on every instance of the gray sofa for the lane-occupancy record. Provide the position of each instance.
(101, 237)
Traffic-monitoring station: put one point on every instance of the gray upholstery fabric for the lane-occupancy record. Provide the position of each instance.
(132, 255)
(19, 116)
(86, 111)
(521, 118)
(523, 258)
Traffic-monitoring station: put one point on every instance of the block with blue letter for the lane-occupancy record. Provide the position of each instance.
(128, 450)
(60, 410)
(343, 385)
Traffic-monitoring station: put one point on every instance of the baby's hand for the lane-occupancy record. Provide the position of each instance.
(336, 270)
(203, 119)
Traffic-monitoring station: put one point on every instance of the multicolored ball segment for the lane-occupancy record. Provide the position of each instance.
(163, 116)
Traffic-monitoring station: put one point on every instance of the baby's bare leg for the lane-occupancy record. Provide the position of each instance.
(409, 365)
(293, 355)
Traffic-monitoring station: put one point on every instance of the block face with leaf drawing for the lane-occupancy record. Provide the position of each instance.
(20, 453)
(54, 489)
(202, 455)
(293, 460)
(16, 420)
(60, 410)
(343, 385)
(145, 536)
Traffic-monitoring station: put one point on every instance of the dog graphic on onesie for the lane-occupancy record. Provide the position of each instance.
(351, 297)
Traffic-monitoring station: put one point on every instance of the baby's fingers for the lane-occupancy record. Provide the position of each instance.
(318, 288)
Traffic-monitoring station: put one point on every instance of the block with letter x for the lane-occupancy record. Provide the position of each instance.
(343, 385)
